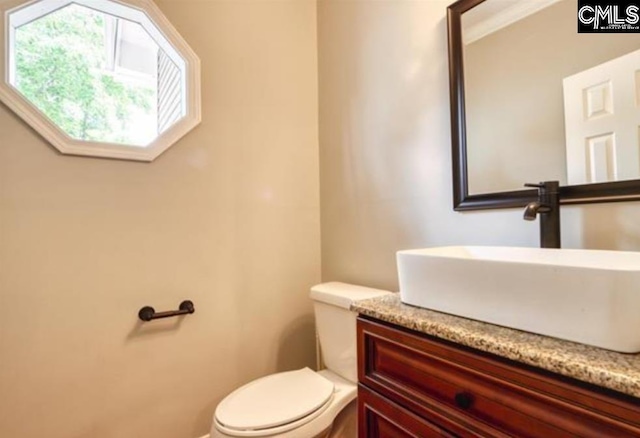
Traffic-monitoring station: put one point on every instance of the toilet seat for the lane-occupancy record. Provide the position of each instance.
(274, 404)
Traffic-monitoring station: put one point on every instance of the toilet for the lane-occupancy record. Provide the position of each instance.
(302, 403)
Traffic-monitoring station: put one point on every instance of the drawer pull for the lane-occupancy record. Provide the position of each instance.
(463, 400)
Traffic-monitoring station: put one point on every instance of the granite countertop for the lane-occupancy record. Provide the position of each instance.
(617, 371)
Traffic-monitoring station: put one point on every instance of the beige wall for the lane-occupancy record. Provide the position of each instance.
(228, 217)
(385, 161)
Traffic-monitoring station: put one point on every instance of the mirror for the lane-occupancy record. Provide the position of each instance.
(533, 100)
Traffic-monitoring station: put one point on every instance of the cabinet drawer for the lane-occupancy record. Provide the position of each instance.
(380, 418)
(478, 395)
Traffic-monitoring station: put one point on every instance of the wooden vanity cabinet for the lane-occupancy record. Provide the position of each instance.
(415, 385)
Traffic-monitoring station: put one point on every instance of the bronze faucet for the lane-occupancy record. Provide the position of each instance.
(548, 207)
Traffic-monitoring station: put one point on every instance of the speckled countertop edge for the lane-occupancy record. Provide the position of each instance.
(617, 371)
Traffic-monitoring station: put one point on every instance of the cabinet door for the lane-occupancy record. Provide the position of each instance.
(381, 418)
(479, 396)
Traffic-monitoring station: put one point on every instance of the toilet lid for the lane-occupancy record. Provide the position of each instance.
(274, 400)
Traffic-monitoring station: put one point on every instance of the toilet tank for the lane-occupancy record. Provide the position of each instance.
(336, 324)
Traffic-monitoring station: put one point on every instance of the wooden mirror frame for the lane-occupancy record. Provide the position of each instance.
(575, 194)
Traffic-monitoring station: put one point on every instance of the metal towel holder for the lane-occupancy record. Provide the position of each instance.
(148, 313)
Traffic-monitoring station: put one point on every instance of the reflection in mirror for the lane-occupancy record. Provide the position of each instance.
(526, 72)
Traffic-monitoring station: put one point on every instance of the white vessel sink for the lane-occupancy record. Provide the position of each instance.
(586, 296)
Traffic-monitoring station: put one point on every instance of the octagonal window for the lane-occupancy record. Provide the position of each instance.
(100, 77)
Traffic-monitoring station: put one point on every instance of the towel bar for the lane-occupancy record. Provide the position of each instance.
(148, 313)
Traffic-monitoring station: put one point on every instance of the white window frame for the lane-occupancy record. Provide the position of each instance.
(14, 13)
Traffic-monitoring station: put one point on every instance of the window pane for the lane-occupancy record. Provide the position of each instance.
(93, 74)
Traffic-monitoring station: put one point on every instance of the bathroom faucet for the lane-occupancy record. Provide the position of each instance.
(548, 207)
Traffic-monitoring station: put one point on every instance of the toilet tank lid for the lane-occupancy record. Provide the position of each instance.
(343, 294)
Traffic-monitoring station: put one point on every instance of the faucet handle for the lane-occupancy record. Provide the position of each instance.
(545, 186)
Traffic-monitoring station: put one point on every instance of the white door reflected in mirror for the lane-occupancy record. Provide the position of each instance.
(99, 77)
(602, 118)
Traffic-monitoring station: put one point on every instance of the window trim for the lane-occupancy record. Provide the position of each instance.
(16, 12)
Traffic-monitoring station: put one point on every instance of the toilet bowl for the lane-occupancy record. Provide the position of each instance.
(302, 403)
(284, 405)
